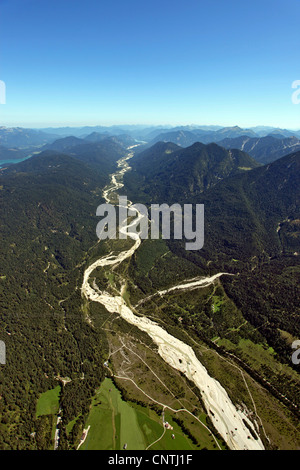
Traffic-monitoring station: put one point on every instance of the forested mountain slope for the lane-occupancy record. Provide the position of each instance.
(48, 222)
(166, 171)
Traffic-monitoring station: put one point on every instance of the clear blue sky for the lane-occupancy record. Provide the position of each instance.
(225, 62)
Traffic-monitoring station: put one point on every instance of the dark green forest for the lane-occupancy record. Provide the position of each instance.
(48, 206)
(252, 230)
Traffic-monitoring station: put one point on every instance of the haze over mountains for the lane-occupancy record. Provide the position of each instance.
(263, 149)
(262, 143)
(22, 137)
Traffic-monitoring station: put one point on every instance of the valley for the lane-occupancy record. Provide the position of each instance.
(178, 355)
(168, 327)
(150, 231)
(226, 418)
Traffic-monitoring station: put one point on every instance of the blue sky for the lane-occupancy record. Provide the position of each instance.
(96, 62)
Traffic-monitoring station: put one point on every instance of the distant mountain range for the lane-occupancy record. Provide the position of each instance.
(263, 149)
(233, 137)
(263, 143)
(149, 133)
(182, 135)
(22, 137)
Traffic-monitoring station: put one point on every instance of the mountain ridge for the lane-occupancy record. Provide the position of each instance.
(169, 168)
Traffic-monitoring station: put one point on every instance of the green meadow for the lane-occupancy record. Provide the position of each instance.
(48, 402)
(115, 423)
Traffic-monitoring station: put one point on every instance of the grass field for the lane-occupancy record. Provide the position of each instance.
(114, 423)
(48, 402)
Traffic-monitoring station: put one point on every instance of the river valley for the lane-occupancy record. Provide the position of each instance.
(228, 419)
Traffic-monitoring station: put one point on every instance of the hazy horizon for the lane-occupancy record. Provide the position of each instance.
(144, 126)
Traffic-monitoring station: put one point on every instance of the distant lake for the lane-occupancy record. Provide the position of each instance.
(18, 160)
